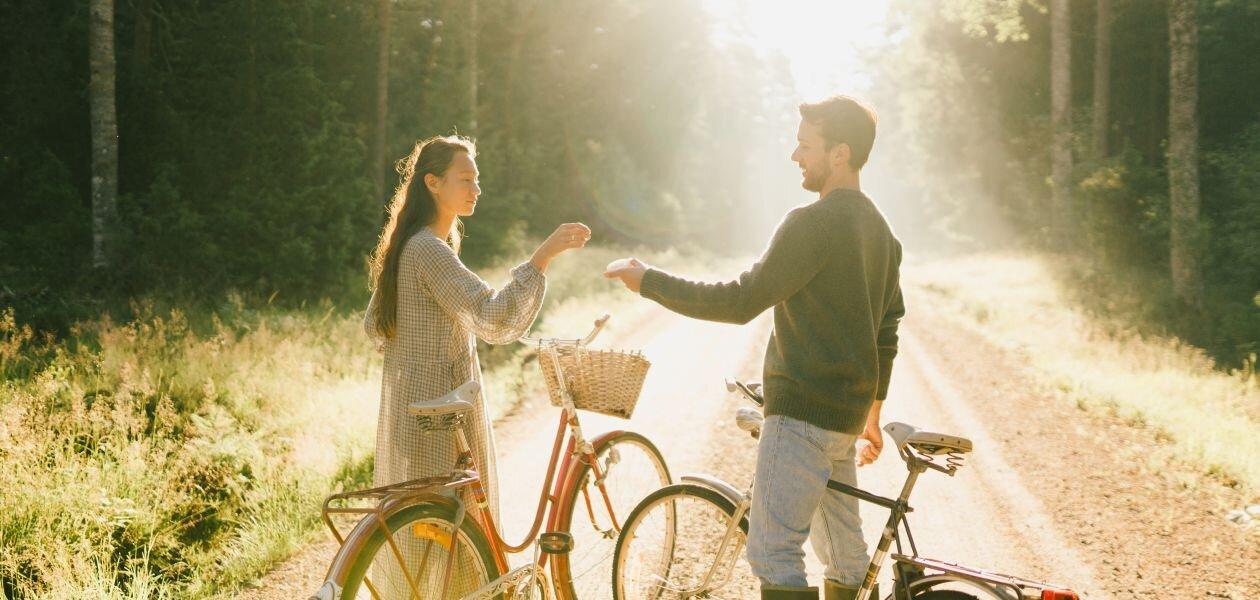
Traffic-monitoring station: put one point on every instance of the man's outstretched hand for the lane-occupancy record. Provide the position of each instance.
(629, 270)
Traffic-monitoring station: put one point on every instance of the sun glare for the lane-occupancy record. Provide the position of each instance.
(821, 39)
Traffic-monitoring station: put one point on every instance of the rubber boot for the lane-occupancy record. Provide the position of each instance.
(783, 592)
(837, 591)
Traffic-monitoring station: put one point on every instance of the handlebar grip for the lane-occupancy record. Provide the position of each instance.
(599, 325)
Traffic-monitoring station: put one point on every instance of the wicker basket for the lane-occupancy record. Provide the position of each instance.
(602, 381)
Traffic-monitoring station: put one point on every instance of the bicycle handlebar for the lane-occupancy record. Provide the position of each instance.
(599, 326)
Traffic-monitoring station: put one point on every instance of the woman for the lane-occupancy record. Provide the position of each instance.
(426, 307)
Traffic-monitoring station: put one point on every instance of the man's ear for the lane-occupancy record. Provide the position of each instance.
(840, 155)
(431, 182)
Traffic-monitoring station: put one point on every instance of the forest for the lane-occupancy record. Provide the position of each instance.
(189, 191)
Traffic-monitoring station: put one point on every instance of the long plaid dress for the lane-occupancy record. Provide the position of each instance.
(441, 306)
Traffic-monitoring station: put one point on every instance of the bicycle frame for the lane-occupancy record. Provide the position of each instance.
(463, 489)
(909, 568)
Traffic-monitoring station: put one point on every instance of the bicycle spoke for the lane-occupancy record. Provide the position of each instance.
(670, 550)
(629, 469)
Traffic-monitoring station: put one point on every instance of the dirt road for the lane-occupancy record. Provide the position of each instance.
(1033, 499)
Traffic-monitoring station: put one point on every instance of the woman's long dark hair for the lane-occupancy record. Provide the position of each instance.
(411, 208)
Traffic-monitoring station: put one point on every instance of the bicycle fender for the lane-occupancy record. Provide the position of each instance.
(727, 490)
(358, 536)
(568, 480)
(602, 439)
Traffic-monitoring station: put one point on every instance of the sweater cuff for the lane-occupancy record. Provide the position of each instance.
(653, 281)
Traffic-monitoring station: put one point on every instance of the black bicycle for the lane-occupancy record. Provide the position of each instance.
(686, 540)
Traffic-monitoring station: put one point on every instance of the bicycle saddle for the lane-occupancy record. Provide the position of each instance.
(457, 400)
(925, 441)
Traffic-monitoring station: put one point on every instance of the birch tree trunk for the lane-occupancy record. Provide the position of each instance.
(1061, 120)
(104, 117)
(1183, 152)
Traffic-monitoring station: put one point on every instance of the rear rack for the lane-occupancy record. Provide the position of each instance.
(1012, 581)
(339, 504)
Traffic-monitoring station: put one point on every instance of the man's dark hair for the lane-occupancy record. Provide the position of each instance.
(844, 120)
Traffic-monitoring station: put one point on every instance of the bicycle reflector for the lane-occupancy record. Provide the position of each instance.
(1059, 595)
(556, 542)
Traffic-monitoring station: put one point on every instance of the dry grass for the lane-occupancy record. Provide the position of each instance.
(183, 455)
(1100, 362)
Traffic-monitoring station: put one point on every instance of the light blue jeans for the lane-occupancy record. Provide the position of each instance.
(791, 501)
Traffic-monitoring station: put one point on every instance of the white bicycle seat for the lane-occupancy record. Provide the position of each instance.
(456, 401)
(927, 442)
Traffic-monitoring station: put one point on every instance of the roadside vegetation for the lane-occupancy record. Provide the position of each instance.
(181, 454)
(1090, 341)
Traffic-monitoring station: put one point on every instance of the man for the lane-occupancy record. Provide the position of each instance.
(831, 272)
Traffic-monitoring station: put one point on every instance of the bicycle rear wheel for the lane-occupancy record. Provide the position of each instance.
(670, 544)
(948, 588)
(423, 535)
(632, 467)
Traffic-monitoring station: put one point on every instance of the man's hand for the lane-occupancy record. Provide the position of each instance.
(869, 451)
(874, 437)
(629, 270)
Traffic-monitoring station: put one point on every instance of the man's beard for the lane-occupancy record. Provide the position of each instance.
(816, 178)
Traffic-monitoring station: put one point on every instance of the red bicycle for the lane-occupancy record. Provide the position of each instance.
(435, 537)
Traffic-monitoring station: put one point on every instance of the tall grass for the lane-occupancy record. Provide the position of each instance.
(151, 457)
(182, 455)
(1104, 361)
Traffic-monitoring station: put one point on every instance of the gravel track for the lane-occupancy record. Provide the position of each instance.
(1049, 492)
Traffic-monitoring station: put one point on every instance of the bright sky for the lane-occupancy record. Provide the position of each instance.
(820, 38)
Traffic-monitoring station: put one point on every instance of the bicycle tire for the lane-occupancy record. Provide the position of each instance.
(956, 589)
(678, 567)
(471, 538)
(585, 573)
(945, 595)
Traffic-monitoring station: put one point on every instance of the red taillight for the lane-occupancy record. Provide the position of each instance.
(1059, 595)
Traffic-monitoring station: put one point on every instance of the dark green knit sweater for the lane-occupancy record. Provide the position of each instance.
(831, 272)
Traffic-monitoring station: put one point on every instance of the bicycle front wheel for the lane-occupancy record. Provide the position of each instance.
(679, 543)
(422, 537)
(632, 467)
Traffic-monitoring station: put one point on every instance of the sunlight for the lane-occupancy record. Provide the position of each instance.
(823, 40)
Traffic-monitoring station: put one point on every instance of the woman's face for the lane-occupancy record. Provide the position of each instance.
(456, 192)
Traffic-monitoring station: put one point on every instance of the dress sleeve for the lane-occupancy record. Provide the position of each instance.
(496, 316)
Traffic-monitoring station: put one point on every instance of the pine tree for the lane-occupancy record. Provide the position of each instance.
(1061, 119)
(104, 117)
(1183, 151)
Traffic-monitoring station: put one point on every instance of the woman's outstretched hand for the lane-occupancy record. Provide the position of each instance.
(566, 237)
(629, 270)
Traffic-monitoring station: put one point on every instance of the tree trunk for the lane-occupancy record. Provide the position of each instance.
(1061, 119)
(144, 36)
(101, 83)
(382, 100)
(1183, 152)
(1102, 78)
(472, 66)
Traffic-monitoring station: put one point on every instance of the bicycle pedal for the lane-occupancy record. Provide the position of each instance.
(556, 542)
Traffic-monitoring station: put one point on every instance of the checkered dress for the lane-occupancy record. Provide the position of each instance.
(442, 305)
